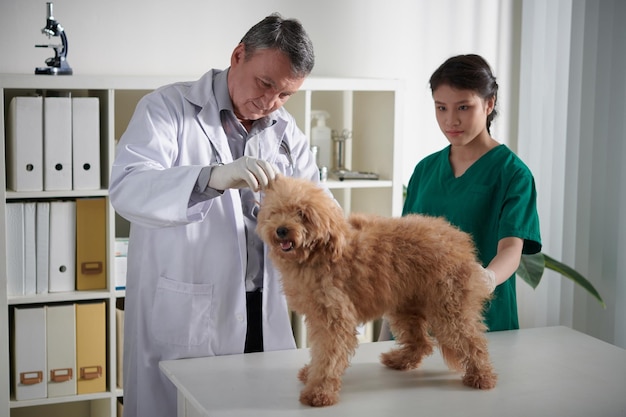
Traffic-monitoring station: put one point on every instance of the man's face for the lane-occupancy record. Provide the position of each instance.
(260, 84)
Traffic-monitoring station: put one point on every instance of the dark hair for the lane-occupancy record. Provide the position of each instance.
(286, 35)
(468, 72)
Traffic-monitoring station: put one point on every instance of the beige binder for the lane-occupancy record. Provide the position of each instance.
(91, 244)
(91, 345)
(61, 347)
(29, 353)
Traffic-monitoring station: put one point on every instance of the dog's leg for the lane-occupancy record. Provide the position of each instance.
(411, 333)
(465, 348)
(303, 374)
(332, 335)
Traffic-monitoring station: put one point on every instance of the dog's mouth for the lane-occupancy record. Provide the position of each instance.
(282, 234)
(286, 245)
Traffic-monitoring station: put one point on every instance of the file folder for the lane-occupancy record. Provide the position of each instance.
(91, 244)
(61, 350)
(15, 248)
(90, 347)
(29, 353)
(57, 139)
(43, 240)
(62, 270)
(30, 254)
(86, 143)
(25, 144)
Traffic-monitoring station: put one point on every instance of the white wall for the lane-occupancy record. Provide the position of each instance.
(404, 39)
(408, 39)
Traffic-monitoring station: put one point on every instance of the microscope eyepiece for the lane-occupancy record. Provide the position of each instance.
(50, 6)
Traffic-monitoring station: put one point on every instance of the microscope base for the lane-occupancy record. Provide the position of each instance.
(53, 71)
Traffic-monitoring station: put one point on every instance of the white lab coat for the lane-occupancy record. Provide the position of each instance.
(185, 294)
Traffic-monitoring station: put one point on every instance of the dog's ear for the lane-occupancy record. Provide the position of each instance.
(336, 242)
(329, 223)
(336, 233)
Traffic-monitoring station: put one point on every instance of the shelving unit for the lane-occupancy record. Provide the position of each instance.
(369, 108)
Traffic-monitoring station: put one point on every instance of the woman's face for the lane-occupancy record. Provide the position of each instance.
(260, 84)
(462, 114)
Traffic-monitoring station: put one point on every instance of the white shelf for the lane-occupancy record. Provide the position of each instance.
(14, 195)
(59, 400)
(59, 297)
(91, 82)
(349, 184)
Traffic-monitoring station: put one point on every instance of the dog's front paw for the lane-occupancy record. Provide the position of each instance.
(317, 397)
(303, 374)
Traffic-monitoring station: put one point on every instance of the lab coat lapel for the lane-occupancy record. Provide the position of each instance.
(209, 120)
(215, 135)
(201, 94)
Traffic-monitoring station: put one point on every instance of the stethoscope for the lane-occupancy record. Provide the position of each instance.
(283, 146)
(254, 209)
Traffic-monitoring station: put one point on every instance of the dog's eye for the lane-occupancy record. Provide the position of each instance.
(301, 214)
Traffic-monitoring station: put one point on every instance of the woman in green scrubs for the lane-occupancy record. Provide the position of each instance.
(477, 183)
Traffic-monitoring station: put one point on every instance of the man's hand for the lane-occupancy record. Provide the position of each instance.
(490, 279)
(244, 172)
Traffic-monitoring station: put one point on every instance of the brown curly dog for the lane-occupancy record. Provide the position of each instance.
(419, 272)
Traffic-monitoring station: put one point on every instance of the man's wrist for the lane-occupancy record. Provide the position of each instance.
(202, 183)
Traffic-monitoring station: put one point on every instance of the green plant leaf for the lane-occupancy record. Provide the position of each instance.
(574, 275)
(531, 269)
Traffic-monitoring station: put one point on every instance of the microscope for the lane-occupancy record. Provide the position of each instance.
(341, 172)
(57, 65)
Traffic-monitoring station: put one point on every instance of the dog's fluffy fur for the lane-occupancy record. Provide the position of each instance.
(419, 272)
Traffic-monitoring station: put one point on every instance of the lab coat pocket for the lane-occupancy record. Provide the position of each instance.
(182, 312)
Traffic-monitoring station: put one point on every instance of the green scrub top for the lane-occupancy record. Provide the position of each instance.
(495, 198)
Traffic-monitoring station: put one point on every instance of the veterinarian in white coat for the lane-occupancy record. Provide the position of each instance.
(191, 207)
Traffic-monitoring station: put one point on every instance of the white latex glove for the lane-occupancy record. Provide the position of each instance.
(244, 172)
(490, 279)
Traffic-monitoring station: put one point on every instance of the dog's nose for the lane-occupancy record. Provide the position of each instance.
(282, 232)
